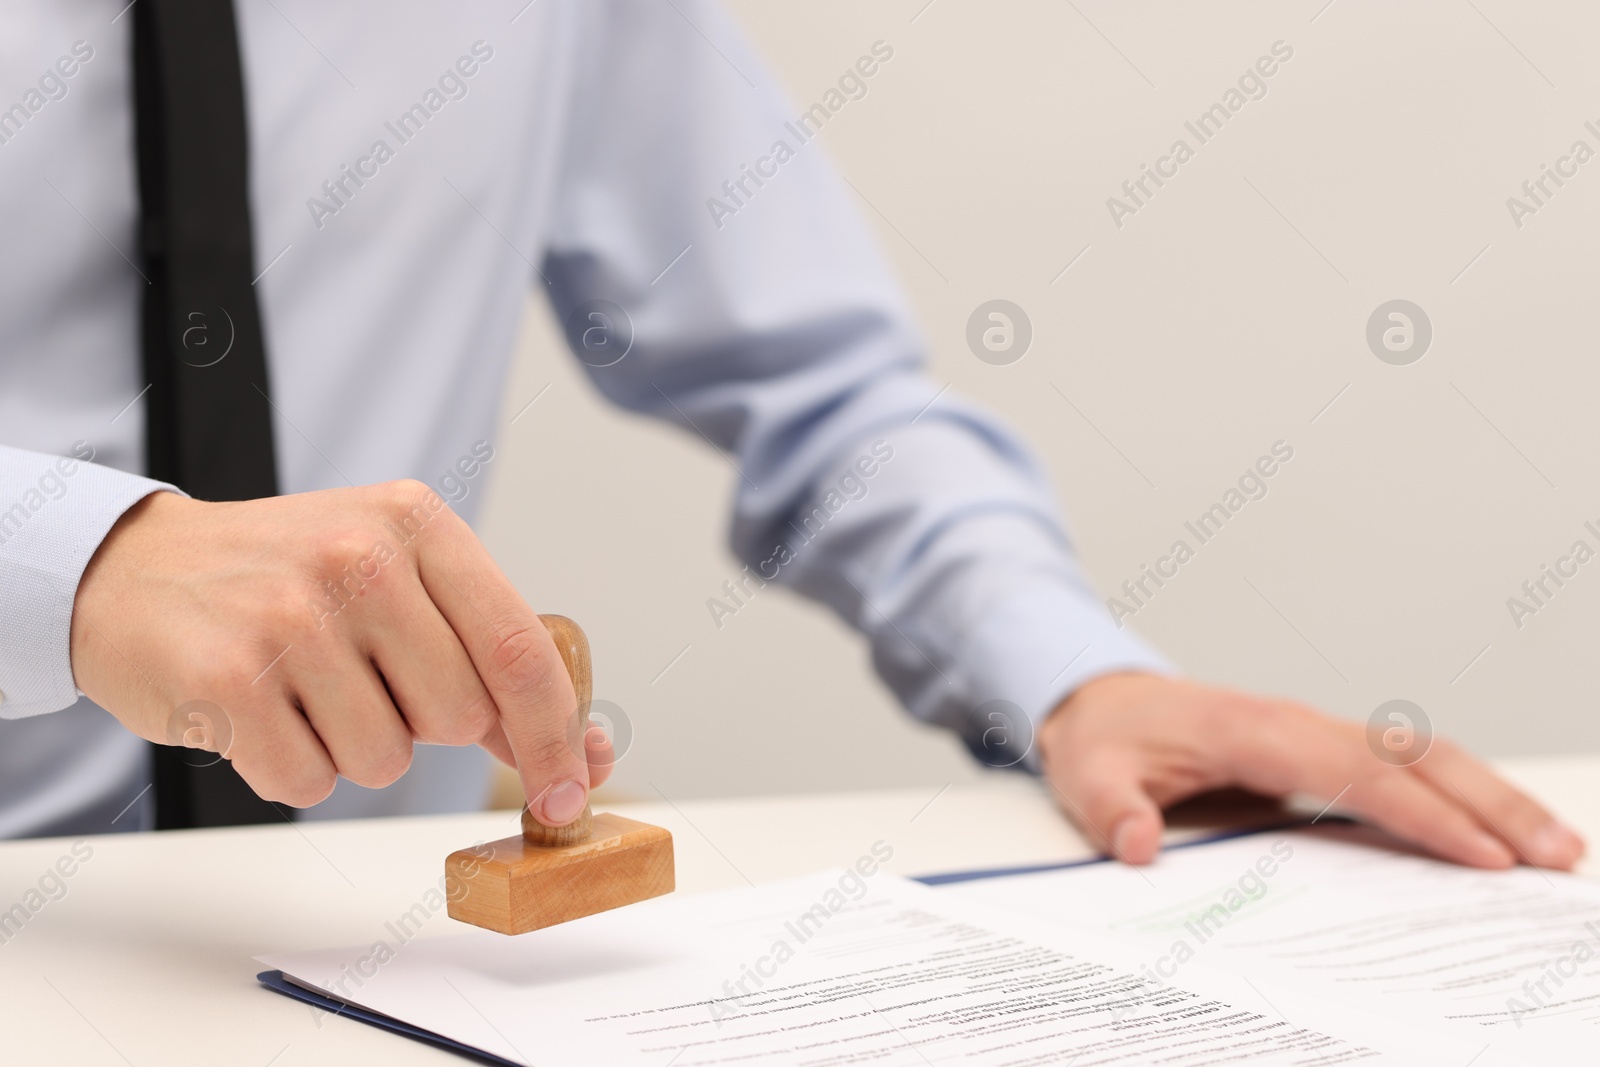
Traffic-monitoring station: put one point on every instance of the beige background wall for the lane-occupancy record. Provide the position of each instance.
(1225, 315)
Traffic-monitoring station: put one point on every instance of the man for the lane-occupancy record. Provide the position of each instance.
(411, 170)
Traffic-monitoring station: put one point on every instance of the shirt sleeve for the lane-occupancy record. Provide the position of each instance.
(54, 512)
(711, 270)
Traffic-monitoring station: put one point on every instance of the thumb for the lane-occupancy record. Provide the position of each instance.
(1107, 801)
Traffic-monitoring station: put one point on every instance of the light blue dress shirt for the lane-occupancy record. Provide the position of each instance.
(415, 168)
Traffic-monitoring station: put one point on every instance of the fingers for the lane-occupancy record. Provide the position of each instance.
(279, 755)
(600, 756)
(1414, 811)
(597, 746)
(517, 661)
(346, 703)
(1531, 831)
(1280, 748)
(436, 687)
(429, 675)
(1283, 748)
(494, 740)
(1104, 796)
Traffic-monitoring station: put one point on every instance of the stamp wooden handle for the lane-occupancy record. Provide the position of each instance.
(574, 648)
(542, 877)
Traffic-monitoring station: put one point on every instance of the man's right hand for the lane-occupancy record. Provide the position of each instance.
(334, 629)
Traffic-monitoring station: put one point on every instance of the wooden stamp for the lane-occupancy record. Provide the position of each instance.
(546, 876)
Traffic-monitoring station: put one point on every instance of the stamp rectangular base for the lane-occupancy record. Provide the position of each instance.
(514, 887)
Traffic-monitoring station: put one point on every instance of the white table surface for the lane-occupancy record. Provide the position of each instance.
(146, 959)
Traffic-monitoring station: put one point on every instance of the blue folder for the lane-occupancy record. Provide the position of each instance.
(953, 877)
(275, 981)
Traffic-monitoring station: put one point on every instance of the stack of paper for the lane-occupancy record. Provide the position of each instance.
(842, 968)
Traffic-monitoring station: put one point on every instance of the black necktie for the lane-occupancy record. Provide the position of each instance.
(209, 428)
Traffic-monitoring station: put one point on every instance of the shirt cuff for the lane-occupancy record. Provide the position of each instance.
(54, 512)
(1030, 652)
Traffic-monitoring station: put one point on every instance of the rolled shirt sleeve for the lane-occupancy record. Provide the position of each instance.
(54, 512)
(756, 313)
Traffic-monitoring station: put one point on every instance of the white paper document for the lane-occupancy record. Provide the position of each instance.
(1508, 959)
(838, 969)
